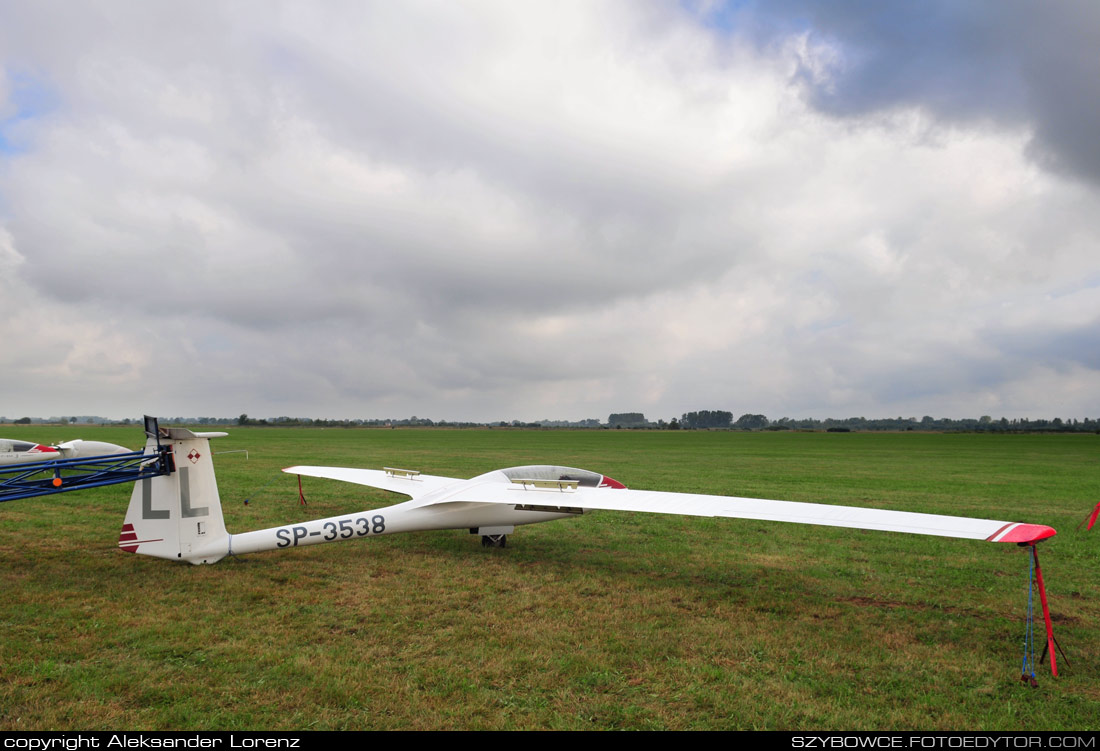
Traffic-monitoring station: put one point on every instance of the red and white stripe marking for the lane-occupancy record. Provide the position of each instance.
(1018, 532)
(128, 539)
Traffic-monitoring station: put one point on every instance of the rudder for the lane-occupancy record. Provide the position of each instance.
(178, 516)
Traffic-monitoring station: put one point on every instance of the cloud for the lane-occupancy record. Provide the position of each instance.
(1007, 64)
(491, 211)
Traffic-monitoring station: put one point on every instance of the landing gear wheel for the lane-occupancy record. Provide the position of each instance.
(494, 541)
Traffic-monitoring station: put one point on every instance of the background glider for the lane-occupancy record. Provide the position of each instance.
(26, 452)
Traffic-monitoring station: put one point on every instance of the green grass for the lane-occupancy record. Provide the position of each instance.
(607, 621)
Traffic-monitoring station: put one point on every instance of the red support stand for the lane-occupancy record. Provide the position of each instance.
(1046, 610)
(302, 502)
(1090, 519)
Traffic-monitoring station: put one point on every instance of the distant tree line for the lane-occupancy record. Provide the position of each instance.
(701, 420)
(717, 419)
(983, 424)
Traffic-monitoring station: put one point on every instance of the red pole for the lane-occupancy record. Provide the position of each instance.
(1091, 519)
(302, 499)
(1046, 610)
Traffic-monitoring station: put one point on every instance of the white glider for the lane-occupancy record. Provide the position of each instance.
(25, 452)
(179, 516)
(79, 449)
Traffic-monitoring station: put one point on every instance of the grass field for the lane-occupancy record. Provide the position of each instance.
(607, 621)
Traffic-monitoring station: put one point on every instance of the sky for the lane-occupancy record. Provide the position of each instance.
(501, 210)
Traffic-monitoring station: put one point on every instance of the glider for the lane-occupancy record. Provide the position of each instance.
(178, 516)
(25, 452)
(79, 449)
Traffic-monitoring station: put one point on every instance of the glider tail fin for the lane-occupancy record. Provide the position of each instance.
(178, 516)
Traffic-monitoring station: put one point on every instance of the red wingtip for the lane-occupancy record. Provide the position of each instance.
(1023, 533)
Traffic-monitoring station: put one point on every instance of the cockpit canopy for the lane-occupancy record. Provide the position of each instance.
(582, 477)
(7, 446)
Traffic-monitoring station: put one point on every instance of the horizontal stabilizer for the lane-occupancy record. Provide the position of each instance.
(403, 481)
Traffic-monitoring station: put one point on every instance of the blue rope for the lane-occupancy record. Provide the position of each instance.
(1029, 634)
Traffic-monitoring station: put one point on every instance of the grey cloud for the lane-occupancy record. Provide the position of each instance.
(1058, 347)
(1014, 63)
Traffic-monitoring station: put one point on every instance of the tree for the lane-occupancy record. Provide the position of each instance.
(243, 419)
(705, 419)
(626, 420)
(751, 422)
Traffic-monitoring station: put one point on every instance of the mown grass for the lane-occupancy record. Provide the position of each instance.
(607, 621)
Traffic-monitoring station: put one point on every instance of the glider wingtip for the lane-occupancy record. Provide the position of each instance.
(1024, 534)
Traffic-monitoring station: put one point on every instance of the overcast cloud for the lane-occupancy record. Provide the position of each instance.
(498, 210)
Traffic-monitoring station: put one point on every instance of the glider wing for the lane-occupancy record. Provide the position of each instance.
(691, 504)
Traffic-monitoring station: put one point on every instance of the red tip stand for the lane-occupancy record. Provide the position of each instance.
(1046, 610)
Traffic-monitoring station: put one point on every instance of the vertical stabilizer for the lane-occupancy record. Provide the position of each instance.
(178, 516)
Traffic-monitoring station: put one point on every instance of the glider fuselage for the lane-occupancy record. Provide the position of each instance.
(25, 452)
